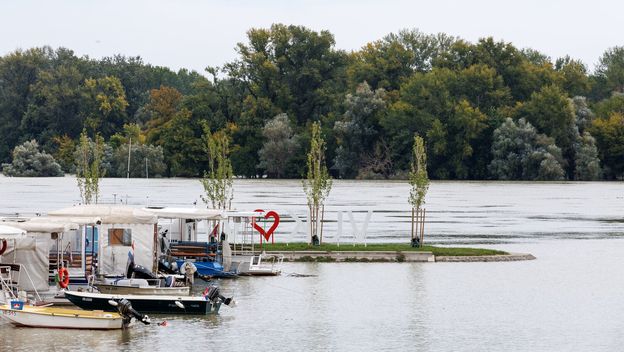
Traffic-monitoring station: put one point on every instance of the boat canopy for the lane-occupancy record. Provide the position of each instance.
(185, 213)
(109, 214)
(43, 225)
(11, 233)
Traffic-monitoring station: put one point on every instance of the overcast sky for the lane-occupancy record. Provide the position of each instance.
(194, 34)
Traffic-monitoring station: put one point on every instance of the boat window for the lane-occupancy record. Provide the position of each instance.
(119, 237)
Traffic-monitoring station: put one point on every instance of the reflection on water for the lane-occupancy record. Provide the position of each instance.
(569, 299)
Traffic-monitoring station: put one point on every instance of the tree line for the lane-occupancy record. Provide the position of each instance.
(486, 110)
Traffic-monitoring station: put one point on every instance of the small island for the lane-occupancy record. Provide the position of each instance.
(387, 252)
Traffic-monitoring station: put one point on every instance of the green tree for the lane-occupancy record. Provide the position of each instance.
(317, 184)
(552, 113)
(520, 153)
(613, 104)
(105, 105)
(294, 68)
(278, 147)
(587, 163)
(218, 180)
(28, 161)
(575, 80)
(419, 182)
(609, 133)
(183, 148)
(358, 130)
(611, 68)
(89, 168)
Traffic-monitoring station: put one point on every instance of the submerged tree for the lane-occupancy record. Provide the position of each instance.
(28, 161)
(89, 168)
(419, 182)
(279, 146)
(218, 180)
(586, 159)
(357, 131)
(520, 153)
(317, 184)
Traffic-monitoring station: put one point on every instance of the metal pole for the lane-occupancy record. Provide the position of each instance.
(129, 149)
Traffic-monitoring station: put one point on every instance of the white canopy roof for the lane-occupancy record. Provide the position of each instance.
(185, 213)
(109, 214)
(42, 224)
(11, 233)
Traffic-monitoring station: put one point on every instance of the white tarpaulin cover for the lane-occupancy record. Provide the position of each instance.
(113, 258)
(109, 214)
(32, 252)
(10, 233)
(185, 213)
(42, 226)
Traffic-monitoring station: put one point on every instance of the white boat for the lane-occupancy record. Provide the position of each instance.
(53, 317)
(257, 265)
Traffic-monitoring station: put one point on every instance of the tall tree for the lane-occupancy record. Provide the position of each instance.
(520, 153)
(278, 147)
(419, 182)
(317, 184)
(611, 68)
(358, 130)
(609, 133)
(105, 105)
(218, 179)
(29, 161)
(89, 168)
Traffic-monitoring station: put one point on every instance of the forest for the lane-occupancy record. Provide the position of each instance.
(486, 110)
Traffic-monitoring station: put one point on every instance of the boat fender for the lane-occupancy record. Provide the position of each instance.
(179, 304)
(4, 247)
(63, 277)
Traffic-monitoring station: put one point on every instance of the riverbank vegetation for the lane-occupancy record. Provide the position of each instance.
(486, 110)
(385, 247)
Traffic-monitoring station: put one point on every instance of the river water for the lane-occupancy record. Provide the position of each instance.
(569, 299)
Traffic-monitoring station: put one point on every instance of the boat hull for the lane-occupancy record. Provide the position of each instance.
(61, 318)
(146, 304)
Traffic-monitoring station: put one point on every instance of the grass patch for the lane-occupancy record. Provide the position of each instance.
(391, 247)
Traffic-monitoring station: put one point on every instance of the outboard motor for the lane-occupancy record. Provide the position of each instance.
(127, 312)
(213, 294)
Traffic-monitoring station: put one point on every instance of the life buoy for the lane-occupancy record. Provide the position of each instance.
(4, 247)
(63, 277)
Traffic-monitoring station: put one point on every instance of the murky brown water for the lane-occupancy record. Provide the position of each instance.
(571, 298)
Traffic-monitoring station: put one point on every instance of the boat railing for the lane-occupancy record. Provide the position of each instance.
(264, 261)
(8, 282)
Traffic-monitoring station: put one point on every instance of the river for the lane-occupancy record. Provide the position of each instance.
(569, 299)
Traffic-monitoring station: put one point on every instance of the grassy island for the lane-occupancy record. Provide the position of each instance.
(380, 247)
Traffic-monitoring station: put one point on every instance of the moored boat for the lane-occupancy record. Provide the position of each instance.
(53, 317)
(209, 303)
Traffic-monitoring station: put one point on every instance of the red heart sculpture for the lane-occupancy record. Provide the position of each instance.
(276, 220)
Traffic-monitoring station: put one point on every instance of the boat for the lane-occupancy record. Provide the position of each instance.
(18, 310)
(140, 281)
(180, 240)
(209, 303)
(55, 317)
(140, 287)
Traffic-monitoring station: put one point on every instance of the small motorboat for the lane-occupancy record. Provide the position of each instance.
(141, 281)
(208, 303)
(17, 313)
